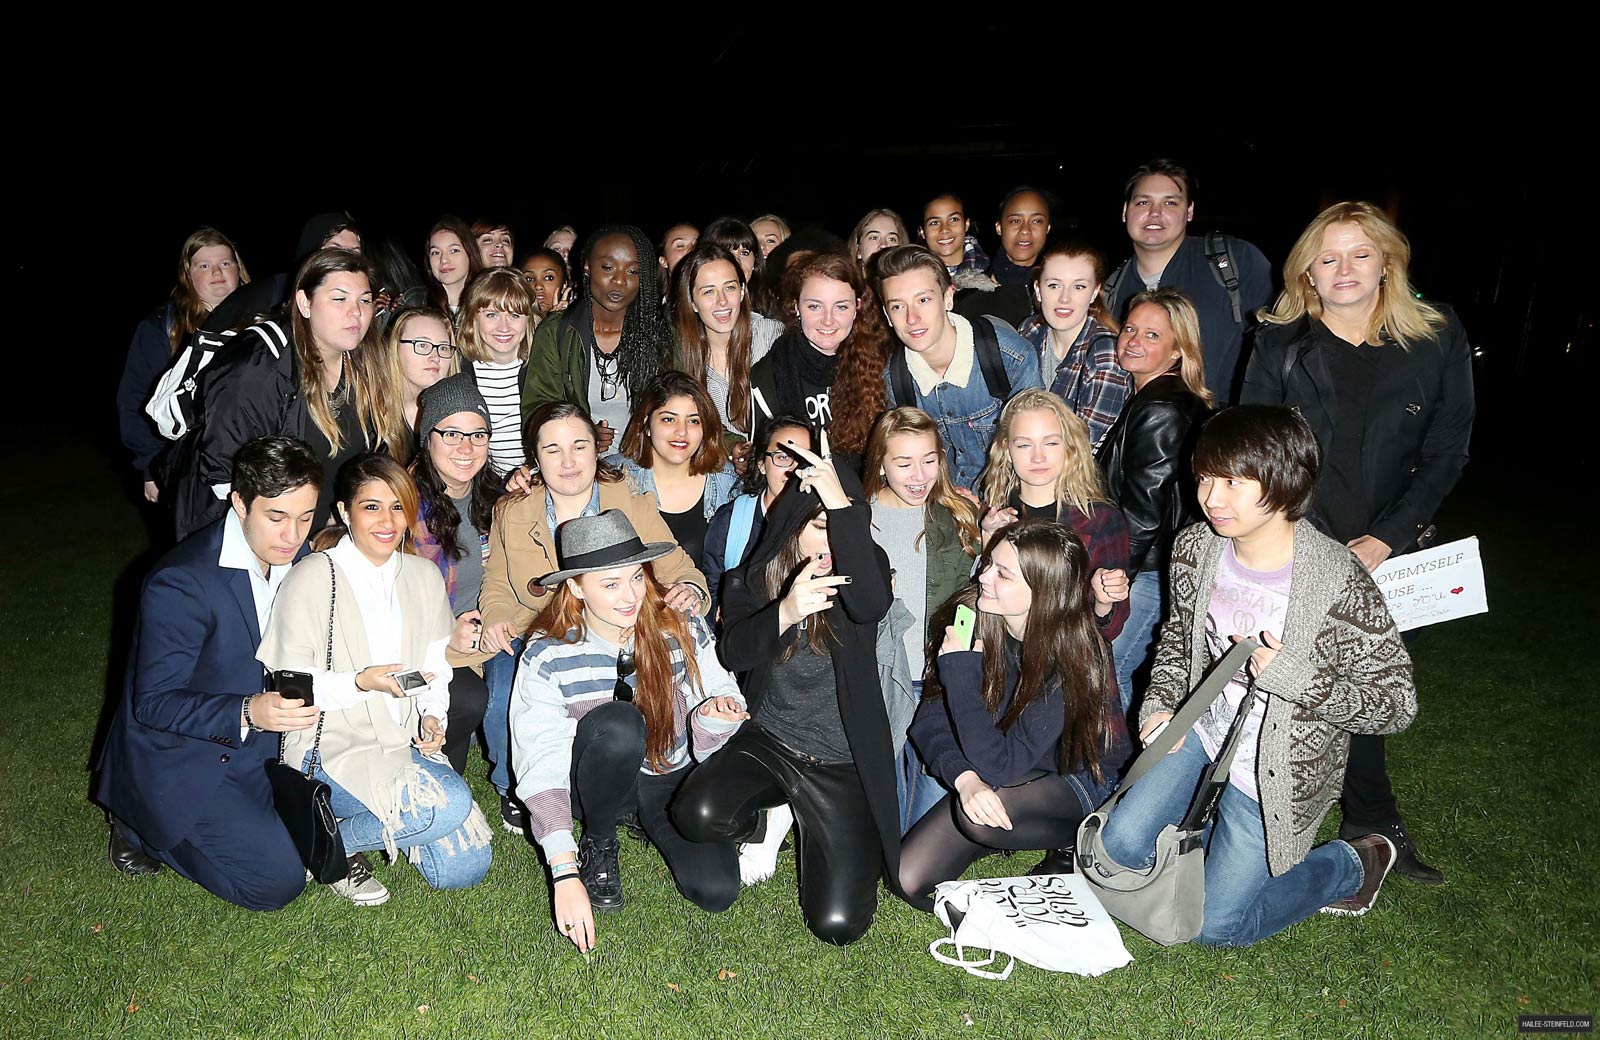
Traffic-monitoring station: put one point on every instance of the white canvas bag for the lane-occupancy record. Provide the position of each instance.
(1053, 921)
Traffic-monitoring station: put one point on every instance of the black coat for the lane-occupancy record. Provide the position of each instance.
(1145, 460)
(1419, 418)
(751, 643)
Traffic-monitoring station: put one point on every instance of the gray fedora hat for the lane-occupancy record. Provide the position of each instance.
(600, 543)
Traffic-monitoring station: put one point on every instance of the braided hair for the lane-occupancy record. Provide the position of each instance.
(646, 344)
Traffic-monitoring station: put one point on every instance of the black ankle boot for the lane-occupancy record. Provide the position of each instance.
(1056, 861)
(1408, 864)
(125, 853)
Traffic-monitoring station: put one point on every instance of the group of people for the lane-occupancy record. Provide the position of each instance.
(677, 532)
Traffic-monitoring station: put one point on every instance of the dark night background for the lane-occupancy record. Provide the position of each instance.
(1490, 227)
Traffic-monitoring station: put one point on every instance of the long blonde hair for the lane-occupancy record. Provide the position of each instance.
(1185, 324)
(916, 421)
(395, 390)
(1399, 315)
(1079, 482)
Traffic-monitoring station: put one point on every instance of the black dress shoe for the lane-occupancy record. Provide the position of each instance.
(1407, 863)
(125, 853)
(1056, 861)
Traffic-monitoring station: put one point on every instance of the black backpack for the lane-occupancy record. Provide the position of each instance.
(1222, 269)
(985, 344)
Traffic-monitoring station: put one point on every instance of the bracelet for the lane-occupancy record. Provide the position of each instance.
(560, 870)
(248, 721)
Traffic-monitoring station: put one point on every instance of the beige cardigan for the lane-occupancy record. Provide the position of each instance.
(363, 749)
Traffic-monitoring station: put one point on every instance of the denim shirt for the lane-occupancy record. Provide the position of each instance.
(966, 415)
(721, 486)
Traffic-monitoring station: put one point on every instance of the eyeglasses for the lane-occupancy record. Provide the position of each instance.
(453, 437)
(622, 691)
(610, 375)
(424, 347)
(781, 458)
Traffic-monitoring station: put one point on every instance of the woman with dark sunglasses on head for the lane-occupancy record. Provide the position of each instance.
(617, 695)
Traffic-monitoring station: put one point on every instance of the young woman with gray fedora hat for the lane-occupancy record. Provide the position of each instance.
(617, 695)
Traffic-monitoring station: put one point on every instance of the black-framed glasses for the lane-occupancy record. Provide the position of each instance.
(610, 374)
(780, 458)
(424, 347)
(453, 437)
(622, 691)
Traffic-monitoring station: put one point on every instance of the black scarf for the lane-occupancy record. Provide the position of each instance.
(798, 365)
(1002, 270)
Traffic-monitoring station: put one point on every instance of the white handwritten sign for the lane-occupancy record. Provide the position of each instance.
(1436, 584)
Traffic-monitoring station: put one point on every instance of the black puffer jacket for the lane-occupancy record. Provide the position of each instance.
(1419, 418)
(1145, 460)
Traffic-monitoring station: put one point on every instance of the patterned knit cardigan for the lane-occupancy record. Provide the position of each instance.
(1343, 669)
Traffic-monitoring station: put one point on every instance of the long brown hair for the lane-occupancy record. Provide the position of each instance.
(438, 295)
(656, 627)
(694, 348)
(188, 312)
(780, 572)
(361, 365)
(1061, 644)
(858, 395)
(916, 421)
(710, 456)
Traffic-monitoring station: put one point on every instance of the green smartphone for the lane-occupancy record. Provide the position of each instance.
(965, 620)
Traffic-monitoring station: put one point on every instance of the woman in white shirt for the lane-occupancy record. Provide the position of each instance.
(359, 616)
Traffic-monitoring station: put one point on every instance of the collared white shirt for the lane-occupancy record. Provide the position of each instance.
(237, 555)
(960, 370)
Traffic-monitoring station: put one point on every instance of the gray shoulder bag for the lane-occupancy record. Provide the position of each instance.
(1167, 902)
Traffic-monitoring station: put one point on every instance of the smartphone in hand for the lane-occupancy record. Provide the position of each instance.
(965, 620)
(287, 683)
(409, 680)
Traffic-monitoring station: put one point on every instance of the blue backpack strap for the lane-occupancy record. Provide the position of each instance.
(739, 527)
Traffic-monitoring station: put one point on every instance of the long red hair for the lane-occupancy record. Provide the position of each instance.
(858, 395)
(562, 618)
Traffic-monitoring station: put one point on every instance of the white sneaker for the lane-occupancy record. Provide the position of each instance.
(361, 888)
(758, 860)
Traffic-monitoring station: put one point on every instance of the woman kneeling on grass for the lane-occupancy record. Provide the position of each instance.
(380, 741)
(1025, 727)
(589, 742)
(1331, 663)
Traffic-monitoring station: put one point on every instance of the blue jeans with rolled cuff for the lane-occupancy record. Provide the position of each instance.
(498, 673)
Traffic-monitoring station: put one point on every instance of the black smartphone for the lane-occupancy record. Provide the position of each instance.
(288, 683)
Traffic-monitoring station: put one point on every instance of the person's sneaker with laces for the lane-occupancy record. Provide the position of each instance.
(513, 817)
(1377, 855)
(360, 887)
(758, 860)
(600, 869)
(1406, 863)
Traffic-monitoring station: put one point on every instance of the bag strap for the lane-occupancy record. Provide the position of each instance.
(314, 759)
(1108, 291)
(1198, 703)
(1222, 268)
(986, 345)
(743, 518)
(905, 392)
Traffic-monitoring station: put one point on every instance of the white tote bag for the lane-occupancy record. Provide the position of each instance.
(1053, 921)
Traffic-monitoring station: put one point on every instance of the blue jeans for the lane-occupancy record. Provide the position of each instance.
(498, 672)
(1244, 902)
(916, 791)
(445, 862)
(1132, 646)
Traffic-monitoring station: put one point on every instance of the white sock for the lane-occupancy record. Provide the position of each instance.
(758, 860)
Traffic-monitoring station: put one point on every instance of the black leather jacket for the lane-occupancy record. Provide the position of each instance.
(1419, 418)
(1145, 461)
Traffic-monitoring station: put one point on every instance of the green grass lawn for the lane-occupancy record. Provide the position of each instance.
(1497, 780)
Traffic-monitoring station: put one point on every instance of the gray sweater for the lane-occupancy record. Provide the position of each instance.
(1343, 669)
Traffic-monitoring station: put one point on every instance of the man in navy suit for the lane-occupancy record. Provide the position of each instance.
(183, 773)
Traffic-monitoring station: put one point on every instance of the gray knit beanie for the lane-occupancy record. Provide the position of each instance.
(457, 393)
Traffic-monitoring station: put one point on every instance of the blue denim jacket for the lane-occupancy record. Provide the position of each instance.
(721, 486)
(966, 415)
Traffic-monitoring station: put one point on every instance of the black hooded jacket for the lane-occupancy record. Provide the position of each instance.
(751, 643)
(265, 295)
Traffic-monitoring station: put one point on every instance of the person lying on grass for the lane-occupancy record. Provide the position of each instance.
(614, 687)
(1331, 663)
(1026, 727)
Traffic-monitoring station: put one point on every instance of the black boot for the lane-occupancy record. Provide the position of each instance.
(600, 868)
(1407, 863)
(1056, 861)
(125, 852)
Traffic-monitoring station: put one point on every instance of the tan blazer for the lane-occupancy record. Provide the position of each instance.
(521, 548)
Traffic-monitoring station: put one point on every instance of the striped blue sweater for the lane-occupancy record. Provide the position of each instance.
(559, 682)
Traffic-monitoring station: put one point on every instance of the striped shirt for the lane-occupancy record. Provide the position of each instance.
(558, 683)
(501, 387)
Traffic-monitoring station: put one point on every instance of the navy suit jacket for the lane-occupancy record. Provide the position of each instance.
(176, 733)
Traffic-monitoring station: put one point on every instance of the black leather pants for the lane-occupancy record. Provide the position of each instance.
(840, 857)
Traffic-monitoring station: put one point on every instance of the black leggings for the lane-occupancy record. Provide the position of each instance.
(607, 752)
(469, 699)
(837, 841)
(1045, 813)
